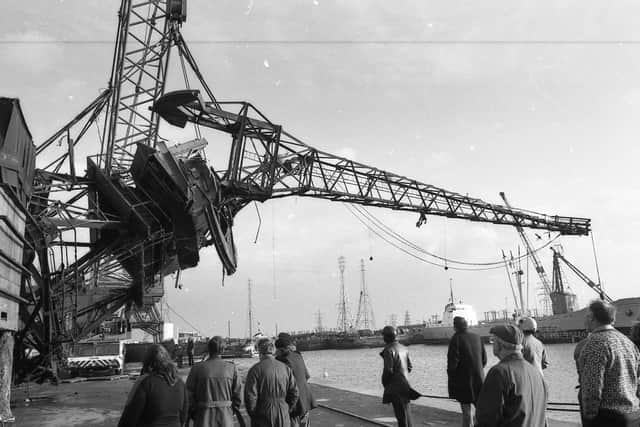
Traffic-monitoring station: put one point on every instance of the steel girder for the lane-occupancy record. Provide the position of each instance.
(267, 162)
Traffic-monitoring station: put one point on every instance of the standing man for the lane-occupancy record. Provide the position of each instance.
(286, 353)
(514, 392)
(214, 389)
(466, 360)
(270, 391)
(609, 365)
(532, 349)
(190, 346)
(395, 377)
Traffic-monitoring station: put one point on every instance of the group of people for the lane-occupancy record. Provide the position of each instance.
(276, 392)
(514, 392)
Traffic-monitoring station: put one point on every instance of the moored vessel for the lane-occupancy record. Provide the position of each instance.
(558, 328)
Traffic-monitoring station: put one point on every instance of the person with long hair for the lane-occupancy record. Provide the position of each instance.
(159, 397)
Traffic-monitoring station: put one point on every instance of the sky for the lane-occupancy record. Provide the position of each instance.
(536, 99)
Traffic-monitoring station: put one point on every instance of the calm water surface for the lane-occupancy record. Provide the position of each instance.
(359, 371)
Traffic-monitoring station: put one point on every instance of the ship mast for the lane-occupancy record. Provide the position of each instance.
(250, 312)
(451, 290)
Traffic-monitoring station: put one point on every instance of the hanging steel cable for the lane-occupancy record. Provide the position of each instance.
(376, 226)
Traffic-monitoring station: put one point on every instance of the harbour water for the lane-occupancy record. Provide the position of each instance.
(359, 370)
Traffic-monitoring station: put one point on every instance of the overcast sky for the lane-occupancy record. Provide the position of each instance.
(536, 99)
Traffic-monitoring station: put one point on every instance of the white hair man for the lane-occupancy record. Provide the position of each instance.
(514, 392)
(533, 350)
(609, 366)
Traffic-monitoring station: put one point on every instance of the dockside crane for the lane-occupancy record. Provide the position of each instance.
(557, 257)
(106, 240)
(544, 279)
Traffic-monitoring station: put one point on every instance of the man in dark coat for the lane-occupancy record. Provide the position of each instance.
(466, 359)
(270, 391)
(286, 353)
(395, 377)
(214, 389)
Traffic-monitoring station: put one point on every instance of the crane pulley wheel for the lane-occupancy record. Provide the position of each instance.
(177, 10)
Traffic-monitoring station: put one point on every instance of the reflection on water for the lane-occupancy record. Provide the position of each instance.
(359, 370)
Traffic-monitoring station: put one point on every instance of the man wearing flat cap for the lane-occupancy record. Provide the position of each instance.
(514, 392)
(287, 354)
(270, 391)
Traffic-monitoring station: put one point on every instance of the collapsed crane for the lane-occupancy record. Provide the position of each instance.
(106, 240)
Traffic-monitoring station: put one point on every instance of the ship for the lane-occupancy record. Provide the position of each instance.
(558, 328)
(338, 340)
(240, 349)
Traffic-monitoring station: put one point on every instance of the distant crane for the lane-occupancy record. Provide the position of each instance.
(319, 326)
(365, 318)
(546, 283)
(407, 318)
(562, 300)
(249, 310)
(557, 256)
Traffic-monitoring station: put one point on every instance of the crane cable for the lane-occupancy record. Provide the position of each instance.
(418, 248)
(183, 319)
(387, 234)
(397, 246)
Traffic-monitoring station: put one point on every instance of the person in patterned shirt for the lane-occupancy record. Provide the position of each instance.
(609, 365)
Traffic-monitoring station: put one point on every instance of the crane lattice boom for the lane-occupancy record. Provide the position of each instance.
(267, 162)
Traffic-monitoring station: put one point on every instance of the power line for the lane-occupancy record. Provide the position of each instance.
(352, 42)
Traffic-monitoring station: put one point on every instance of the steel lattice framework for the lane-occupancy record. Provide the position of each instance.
(267, 162)
(105, 241)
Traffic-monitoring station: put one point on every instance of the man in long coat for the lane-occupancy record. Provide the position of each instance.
(466, 360)
(214, 389)
(286, 353)
(395, 377)
(270, 390)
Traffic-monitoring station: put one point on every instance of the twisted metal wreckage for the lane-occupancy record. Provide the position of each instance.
(103, 241)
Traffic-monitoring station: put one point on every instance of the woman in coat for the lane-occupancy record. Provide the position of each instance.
(159, 397)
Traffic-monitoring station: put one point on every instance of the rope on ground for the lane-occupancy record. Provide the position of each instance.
(431, 396)
(351, 414)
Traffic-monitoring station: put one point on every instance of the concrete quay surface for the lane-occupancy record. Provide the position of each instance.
(99, 403)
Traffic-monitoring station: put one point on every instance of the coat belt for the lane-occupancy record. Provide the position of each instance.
(215, 404)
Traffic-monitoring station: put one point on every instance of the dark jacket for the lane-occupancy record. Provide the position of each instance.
(466, 360)
(514, 394)
(270, 393)
(295, 362)
(214, 392)
(153, 402)
(395, 374)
